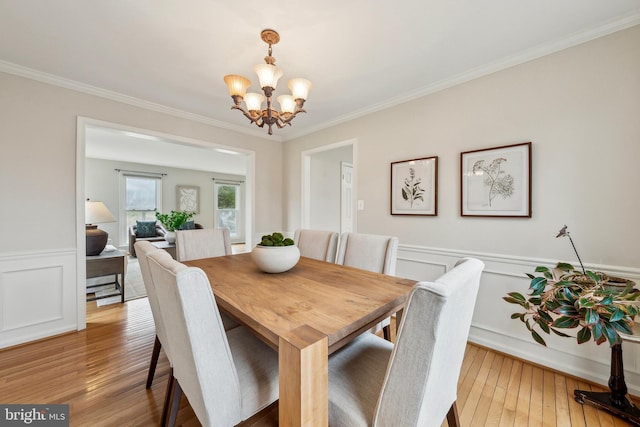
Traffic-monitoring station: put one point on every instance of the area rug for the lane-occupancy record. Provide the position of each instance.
(133, 285)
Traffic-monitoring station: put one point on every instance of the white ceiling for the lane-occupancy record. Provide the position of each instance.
(127, 146)
(361, 55)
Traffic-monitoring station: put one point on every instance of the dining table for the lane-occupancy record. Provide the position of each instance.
(305, 314)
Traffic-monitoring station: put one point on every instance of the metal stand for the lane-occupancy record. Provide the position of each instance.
(615, 401)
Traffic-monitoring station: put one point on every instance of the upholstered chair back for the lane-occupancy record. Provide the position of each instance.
(368, 252)
(317, 244)
(143, 249)
(204, 243)
(422, 377)
(202, 361)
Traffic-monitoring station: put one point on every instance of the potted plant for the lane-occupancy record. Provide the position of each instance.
(602, 307)
(275, 253)
(565, 298)
(172, 222)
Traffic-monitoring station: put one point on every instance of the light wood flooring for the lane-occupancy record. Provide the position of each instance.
(101, 371)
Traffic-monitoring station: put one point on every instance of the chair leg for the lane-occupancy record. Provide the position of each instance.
(167, 398)
(154, 361)
(452, 416)
(175, 403)
(386, 332)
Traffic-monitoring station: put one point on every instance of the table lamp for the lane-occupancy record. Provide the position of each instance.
(94, 213)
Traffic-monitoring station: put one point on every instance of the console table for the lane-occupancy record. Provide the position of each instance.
(107, 264)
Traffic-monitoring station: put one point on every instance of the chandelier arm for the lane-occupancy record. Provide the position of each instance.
(253, 118)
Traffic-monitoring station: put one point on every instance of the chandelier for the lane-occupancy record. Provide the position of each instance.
(268, 75)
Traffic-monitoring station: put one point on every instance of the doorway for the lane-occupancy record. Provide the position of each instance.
(181, 148)
(329, 187)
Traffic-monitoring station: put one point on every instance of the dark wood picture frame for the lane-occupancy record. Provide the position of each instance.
(414, 187)
(496, 182)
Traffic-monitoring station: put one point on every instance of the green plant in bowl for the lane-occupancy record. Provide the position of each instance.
(275, 239)
(174, 220)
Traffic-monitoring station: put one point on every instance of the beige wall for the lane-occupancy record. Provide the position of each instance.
(38, 160)
(580, 108)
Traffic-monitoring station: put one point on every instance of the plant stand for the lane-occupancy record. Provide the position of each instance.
(615, 401)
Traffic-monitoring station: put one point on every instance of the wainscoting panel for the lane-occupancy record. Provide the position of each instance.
(37, 296)
(493, 328)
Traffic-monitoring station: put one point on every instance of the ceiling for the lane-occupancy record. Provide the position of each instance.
(361, 55)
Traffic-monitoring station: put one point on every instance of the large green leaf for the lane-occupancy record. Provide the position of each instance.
(622, 326)
(541, 269)
(563, 266)
(591, 317)
(586, 303)
(567, 310)
(545, 316)
(537, 285)
(557, 332)
(566, 322)
(538, 338)
(617, 315)
(543, 325)
(597, 332)
(584, 335)
(611, 334)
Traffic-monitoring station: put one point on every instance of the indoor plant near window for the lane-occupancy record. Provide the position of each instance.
(602, 307)
(275, 253)
(172, 222)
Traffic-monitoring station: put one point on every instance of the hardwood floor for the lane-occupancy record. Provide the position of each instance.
(101, 371)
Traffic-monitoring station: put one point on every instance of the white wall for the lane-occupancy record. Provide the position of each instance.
(581, 110)
(38, 127)
(102, 182)
(325, 187)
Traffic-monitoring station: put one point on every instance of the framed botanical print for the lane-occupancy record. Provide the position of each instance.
(414, 187)
(496, 182)
(188, 198)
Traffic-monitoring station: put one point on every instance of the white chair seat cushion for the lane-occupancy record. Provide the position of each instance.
(257, 368)
(356, 374)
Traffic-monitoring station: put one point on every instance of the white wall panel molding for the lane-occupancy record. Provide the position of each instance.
(493, 328)
(37, 295)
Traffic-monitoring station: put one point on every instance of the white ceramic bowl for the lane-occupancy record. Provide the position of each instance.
(275, 259)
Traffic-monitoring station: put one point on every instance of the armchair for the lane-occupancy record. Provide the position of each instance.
(133, 237)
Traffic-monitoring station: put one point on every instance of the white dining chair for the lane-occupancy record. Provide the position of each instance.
(203, 243)
(414, 383)
(143, 249)
(317, 244)
(370, 252)
(227, 375)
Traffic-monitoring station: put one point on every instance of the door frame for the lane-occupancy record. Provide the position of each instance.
(81, 124)
(305, 212)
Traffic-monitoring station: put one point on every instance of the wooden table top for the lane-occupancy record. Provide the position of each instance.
(338, 301)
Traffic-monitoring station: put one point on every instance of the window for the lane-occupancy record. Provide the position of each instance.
(228, 211)
(142, 196)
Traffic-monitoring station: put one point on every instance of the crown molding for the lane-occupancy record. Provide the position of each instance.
(625, 22)
(575, 39)
(51, 79)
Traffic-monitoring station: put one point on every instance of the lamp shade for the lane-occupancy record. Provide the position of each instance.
(268, 75)
(287, 103)
(97, 212)
(299, 88)
(237, 85)
(253, 101)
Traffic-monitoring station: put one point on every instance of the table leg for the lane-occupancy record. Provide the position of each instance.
(398, 321)
(304, 378)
